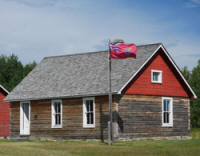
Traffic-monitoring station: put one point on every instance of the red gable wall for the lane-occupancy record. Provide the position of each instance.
(171, 84)
(4, 115)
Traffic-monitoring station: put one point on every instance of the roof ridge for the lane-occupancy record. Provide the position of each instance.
(141, 45)
(95, 51)
(74, 54)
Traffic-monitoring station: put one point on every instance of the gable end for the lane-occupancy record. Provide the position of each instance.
(133, 87)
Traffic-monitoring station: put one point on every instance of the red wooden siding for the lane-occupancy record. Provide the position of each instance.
(4, 115)
(171, 83)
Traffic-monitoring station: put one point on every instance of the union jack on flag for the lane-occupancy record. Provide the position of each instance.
(122, 50)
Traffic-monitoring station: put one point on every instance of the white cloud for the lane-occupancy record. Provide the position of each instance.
(36, 3)
(192, 4)
(185, 54)
(35, 29)
(196, 1)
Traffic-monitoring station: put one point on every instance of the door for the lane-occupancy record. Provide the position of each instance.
(25, 118)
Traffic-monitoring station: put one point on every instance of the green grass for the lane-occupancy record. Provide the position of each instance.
(81, 148)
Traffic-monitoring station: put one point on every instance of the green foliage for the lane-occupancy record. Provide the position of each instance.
(195, 112)
(12, 71)
(28, 68)
(194, 80)
(195, 133)
(195, 103)
(186, 73)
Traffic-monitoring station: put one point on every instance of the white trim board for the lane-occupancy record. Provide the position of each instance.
(159, 76)
(21, 119)
(4, 89)
(178, 70)
(170, 59)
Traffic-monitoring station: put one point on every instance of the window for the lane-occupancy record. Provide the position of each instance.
(167, 112)
(156, 76)
(56, 114)
(88, 113)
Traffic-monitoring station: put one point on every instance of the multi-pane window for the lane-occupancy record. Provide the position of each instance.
(167, 112)
(56, 109)
(88, 112)
(156, 76)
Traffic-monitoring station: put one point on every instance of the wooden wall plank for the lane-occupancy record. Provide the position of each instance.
(141, 116)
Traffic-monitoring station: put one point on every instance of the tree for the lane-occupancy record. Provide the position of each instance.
(28, 68)
(13, 71)
(195, 103)
(193, 79)
(186, 73)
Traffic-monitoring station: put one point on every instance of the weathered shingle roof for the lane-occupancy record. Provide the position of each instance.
(78, 75)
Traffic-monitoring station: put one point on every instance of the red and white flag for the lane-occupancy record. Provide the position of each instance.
(122, 50)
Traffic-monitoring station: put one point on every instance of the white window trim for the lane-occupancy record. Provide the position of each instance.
(170, 124)
(159, 79)
(85, 125)
(52, 116)
(21, 112)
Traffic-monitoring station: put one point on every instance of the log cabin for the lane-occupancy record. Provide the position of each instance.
(66, 97)
(4, 113)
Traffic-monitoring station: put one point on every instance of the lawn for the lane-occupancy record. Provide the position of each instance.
(77, 148)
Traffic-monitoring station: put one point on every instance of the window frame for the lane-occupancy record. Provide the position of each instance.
(170, 124)
(85, 125)
(159, 77)
(20, 119)
(53, 125)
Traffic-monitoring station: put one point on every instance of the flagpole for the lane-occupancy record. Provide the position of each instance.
(110, 140)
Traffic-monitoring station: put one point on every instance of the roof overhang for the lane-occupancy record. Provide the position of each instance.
(59, 97)
(5, 90)
(171, 61)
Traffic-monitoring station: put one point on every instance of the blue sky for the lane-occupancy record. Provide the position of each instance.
(33, 29)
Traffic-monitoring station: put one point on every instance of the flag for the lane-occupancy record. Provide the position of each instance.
(122, 50)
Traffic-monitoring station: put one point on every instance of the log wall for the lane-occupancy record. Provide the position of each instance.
(141, 116)
(72, 120)
(134, 116)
